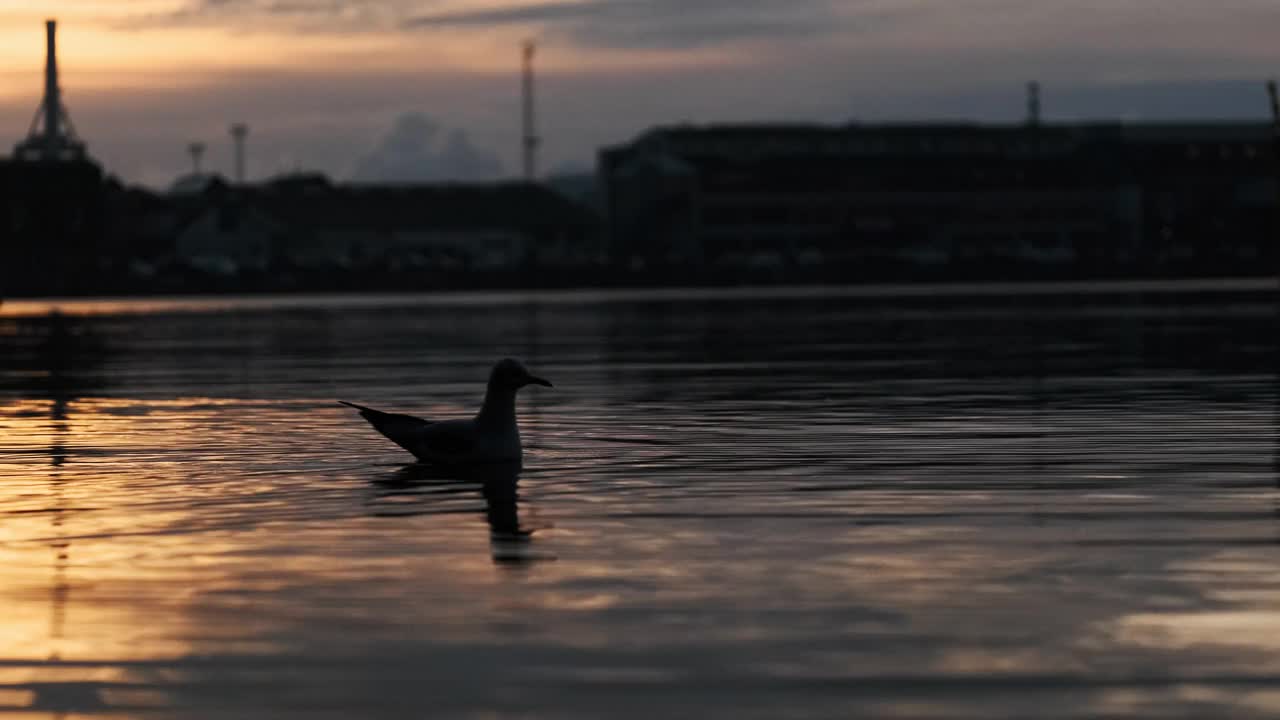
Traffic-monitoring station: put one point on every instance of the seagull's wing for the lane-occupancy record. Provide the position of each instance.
(445, 441)
(403, 430)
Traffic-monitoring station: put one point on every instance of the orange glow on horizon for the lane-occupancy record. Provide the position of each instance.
(97, 50)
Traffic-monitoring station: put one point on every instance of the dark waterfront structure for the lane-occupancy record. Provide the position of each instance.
(52, 137)
(51, 199)
(305, 232)
(678, 205)
(945, 200)
(51, 225)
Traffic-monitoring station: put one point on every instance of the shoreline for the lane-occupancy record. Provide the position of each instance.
(210, 302)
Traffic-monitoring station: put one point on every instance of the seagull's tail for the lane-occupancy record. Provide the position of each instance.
(403, 430)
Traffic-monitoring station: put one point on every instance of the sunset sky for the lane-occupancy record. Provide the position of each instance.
(344, 85)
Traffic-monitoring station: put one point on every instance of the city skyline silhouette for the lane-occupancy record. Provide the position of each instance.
(325, 86)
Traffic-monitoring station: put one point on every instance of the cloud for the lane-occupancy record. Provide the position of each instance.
(319, 15)
(929, 26)
(666, 24)
(412, 151)
(619, 24)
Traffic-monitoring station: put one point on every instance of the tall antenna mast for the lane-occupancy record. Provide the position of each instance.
(52, 136)
(1274, 96)
(530, 141)
(196, 150)
(1275, 107)
(239, 132)
(1033, 104)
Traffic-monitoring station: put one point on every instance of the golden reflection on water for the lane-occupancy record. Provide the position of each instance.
(206, 545)
(1240, 609)
(1257, 629)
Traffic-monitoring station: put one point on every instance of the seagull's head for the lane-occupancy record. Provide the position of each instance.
(511, 375)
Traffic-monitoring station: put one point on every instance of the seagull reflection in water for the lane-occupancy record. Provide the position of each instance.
(421, 488)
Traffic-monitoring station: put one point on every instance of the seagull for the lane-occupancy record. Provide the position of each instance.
(490, 437)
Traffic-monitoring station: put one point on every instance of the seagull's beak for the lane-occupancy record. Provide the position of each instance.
(532, 380)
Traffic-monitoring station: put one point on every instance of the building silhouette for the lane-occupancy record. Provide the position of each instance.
(678, 204)
(912, 200)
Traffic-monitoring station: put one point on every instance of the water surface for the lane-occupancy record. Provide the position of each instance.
(788, 504)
